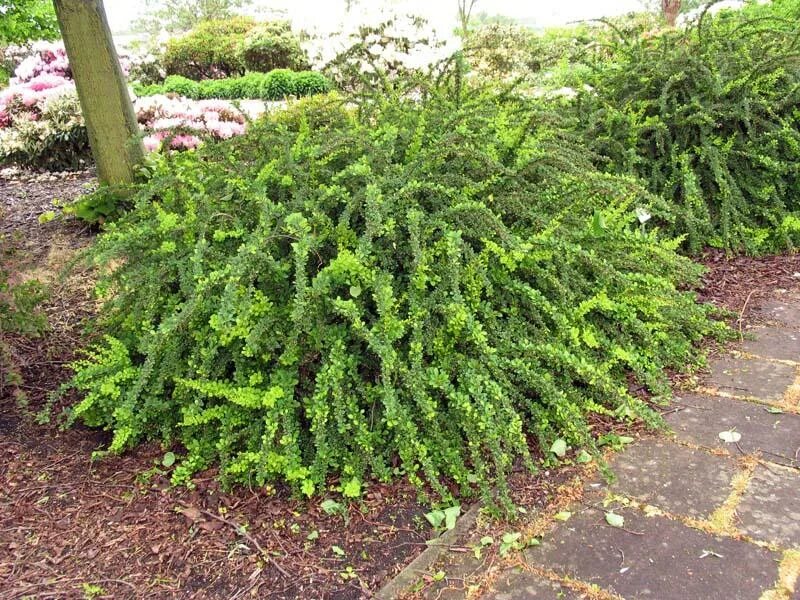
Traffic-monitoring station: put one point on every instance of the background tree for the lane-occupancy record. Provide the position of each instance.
(23, 20)
(465, 8)
(183, 15)
(105, 101)
(670, 9)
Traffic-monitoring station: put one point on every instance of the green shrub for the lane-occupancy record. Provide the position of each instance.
(322, 111)
(308, 83)
(708, 117)
(422, 287)
(177, 84)
(275, 85)
(210, 51)
(272, 46)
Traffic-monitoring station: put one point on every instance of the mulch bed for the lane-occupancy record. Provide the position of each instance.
(116, 528)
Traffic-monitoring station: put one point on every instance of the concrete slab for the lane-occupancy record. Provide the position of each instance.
(520, 585)
(656, 558)
(786, 311)
(759, 378)
(773, 342)
(770, 507)
(674, 478)
(701, 419)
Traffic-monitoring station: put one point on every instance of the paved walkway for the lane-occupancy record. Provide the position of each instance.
(704, 519)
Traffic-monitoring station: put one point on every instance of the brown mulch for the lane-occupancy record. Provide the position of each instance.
(741, 283)
(116, 528)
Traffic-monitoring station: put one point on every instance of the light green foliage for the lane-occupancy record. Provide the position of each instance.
(275, 85)
(210, 51)
(273, 45)
(420, 283)
(708, 118)
(25, 20)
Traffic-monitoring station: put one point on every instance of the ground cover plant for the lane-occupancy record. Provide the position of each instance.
(707, 116)
(426, 287)
(278, 84)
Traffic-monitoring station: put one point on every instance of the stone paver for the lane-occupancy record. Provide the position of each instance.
(785, 311)
(701, 419)
(762, 379)
(673, 558)
(675, 478)
(773, 342)
(661, 560)
(770, 508)
(516, 585)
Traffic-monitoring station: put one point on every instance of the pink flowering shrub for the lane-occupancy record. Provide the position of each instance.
(41, 123)
(184, 123)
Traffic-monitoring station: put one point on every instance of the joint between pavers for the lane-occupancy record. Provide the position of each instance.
(751, 356)
(782, 404)
(788, 575)
(722, 519)
(590, 591)
(704, 525)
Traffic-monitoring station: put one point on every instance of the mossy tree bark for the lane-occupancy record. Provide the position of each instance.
(106, 104)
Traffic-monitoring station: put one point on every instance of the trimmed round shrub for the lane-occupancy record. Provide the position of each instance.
(273, 46)
(279, 84)
(307, 83)
(210, 51)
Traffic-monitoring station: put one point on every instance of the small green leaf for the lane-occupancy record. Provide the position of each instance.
(435, 518)
(511, 537)
(584, 457)
(614, 519)
(450, 516)
(439, 576)
(331, 507)
(355, 291)
(337, 550)
(314, 535)
(559, 448)
(624, 439)
(168, 460)
(774, 410)
(564, 515)
(487, 540)
(352, 489)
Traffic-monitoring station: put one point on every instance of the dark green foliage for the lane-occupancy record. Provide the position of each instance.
(708, 118)
(275, 85)
(272, 46)
(26, 20)
(421, 287)
(210, 51)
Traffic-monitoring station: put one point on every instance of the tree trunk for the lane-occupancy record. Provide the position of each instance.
(103, 92)
(671, 9)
